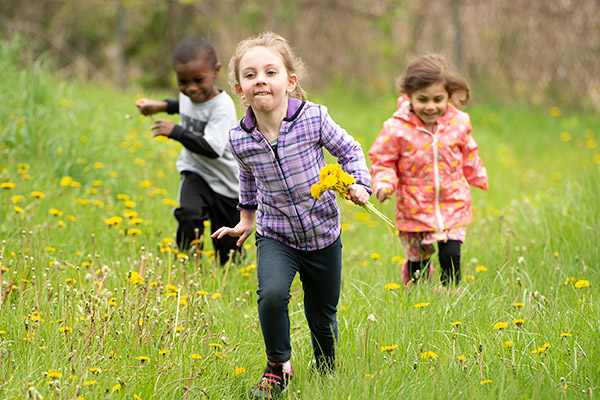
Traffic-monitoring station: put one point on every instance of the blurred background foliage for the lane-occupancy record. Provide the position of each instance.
(535, 52)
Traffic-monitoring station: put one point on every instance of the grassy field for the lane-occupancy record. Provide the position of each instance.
(97, 303)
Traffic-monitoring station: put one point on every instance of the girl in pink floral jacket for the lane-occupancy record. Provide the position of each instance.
(425, 154)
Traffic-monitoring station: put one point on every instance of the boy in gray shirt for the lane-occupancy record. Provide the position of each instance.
(209, 185)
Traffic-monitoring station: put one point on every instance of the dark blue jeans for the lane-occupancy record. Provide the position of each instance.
(320, 273)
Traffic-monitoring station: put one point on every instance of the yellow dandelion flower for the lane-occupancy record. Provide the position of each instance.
(54, 374)
(239, 371)
(136, 221)
(462, 358)
(456, 323)
(500, 325)
(164, 352)
(421, 305)
(519, 321)
(65, 181)
(508, 344)
(375, 256)
(428, 355)
(129, 203)
(18, 209)
(56, 212)
(469, 277)
(485, 382)
(123, 197)
(130, 214)
(391, 286)
(134, 232)
(7, 185)
(481, 268)
(38, 195)
(136, 397)
(565, 334)
(582, 284)
(171, 288)
(518, 305)
(135, 278)
(555, 111)
(89, 383)
(143, 358)
(215, 296)
(388, 348)
(65, 329)
(113, 221)
(195, 356)
(565, 137)
(116, 388)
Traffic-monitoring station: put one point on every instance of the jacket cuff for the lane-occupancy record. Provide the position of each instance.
(172, 106)
(250, 207)
(177, 132)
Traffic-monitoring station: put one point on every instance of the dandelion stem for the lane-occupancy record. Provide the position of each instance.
(370, 207)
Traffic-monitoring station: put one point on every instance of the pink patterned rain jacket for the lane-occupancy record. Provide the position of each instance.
(430, 172)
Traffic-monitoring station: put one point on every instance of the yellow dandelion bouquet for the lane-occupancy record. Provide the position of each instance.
(332, 177)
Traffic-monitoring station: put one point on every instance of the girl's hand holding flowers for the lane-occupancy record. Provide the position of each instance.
(332, 177)
(358, 194)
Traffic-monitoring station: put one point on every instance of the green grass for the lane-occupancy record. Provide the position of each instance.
(68, 301)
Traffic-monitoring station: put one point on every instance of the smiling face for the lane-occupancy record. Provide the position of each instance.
(196, 79)
(430, 103)
(263, 81)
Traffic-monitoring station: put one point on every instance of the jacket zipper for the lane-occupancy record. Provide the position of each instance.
(277, 159)
(436, 181)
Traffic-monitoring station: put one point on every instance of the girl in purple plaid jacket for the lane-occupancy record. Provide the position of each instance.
(279, 148)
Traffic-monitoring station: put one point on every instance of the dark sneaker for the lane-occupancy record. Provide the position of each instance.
(273, 382)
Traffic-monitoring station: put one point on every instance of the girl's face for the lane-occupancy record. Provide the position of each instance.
(264, 81)
(430, 103)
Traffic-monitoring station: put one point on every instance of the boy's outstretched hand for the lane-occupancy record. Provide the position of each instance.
(149, 107)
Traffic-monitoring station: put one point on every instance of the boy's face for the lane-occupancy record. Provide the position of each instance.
(196, 79)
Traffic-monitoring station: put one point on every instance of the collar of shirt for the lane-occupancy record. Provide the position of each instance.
(294, 107)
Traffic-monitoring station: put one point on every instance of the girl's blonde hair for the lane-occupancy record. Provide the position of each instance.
(293, 64)
(431, 69)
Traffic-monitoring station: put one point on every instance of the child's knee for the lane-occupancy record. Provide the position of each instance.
(273, 298)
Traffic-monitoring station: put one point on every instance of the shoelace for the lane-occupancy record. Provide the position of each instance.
(269, 378)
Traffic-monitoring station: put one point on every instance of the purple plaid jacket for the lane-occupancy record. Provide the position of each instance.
(276, 182)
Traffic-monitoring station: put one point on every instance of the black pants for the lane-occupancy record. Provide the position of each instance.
(199, 203)
(449, 256)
